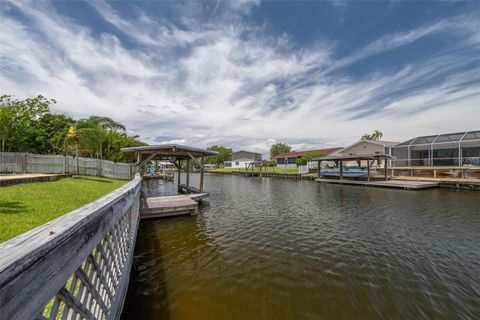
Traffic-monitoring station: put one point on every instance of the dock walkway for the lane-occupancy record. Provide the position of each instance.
(168, 206)
(397, 184)
(10, 179)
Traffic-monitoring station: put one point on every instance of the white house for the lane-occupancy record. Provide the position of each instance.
(241, 159)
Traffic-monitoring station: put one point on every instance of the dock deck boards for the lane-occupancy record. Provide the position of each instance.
(167, 206)
(398, 184)
(10, 179)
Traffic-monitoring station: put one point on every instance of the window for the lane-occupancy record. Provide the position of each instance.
(237, 163)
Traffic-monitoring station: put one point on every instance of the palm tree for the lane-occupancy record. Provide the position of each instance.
(376, 135)
(73, 136)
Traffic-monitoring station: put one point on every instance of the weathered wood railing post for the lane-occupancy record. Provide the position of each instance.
(76, 266)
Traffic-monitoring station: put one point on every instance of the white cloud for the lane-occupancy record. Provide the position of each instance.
(233, 83)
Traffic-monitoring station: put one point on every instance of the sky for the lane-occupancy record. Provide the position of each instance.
(247, 74)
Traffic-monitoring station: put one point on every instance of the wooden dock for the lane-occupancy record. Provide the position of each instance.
(168, 206)
(7, 180)
(396, 184)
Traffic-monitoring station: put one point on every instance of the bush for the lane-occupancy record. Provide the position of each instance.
(301, 162)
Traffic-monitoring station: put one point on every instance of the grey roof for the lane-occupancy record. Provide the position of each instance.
(168, 148)
(456, 137)
(246, 151)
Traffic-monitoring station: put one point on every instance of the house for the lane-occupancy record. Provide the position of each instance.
(368, 147)
(242, 158)
(450, 149)
(289, 159)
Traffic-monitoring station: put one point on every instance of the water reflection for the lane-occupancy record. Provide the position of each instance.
(279, 249)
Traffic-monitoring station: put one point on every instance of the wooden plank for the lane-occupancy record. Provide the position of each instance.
(168, 206)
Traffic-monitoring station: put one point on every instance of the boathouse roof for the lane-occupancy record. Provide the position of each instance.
(170, 149)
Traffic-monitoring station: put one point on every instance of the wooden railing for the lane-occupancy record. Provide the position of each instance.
(76, 266)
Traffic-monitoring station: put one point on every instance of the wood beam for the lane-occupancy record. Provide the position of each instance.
(368, 170)
(188, 173)
(386, 169)
(341, 169)
(201, 173)
(179, 168)
(150, 157)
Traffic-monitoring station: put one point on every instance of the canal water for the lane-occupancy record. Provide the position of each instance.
(284, 249)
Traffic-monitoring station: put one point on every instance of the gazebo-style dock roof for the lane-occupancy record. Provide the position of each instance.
(175, 153)
(164, 206)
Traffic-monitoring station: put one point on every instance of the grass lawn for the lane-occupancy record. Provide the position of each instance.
(269, 169)
(28, 205)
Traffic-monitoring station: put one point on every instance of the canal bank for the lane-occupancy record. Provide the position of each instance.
(286, 249)
(399, 182)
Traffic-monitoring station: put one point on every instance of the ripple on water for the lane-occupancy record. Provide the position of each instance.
(279, 249)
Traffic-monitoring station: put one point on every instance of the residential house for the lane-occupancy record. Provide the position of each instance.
(366, 148)
(289, 159)
(451, 149)
(241, 159)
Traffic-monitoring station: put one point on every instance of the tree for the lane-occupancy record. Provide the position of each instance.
(309, 155)
(17, 119)
(29, 126)
(49, 133)
(224, 154)
(301, 161)
(279, 148)
(376, 135)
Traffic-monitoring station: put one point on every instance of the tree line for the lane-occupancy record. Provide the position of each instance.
(29, 126)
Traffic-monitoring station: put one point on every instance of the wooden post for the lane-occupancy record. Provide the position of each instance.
(179, 171)
(139, 160)
(188, 173)
(201, 173)
(368, 170)
(386, 169)
(318, 168)
(341, 169)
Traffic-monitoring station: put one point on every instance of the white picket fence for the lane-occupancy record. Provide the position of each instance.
(18, 162)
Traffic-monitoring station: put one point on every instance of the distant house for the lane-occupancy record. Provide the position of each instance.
(289, 159)
(368, 147)
(242, 159)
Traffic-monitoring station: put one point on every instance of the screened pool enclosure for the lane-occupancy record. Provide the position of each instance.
(453, 149)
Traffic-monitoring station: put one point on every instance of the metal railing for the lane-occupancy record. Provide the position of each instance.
(76, 266)
(432, 162)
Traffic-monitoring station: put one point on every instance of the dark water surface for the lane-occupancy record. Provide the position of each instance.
(281, 249)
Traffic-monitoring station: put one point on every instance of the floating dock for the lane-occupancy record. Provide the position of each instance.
(168, 206)
(396, 184)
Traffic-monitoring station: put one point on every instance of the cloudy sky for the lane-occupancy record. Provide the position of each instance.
(248, 73)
